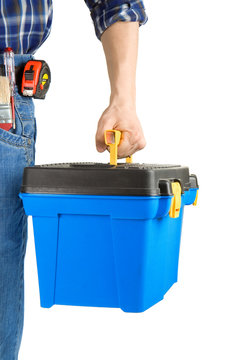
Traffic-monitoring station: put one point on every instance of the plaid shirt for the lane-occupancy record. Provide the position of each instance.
(26, 24)
(106, 12)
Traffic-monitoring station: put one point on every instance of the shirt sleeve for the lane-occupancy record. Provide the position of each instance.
(104, 13)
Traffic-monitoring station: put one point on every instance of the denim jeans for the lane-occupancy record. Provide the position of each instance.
(17, 150)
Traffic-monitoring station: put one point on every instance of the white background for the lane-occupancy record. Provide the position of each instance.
(181, 90)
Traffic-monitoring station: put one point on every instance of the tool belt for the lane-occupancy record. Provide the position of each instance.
(32, 79)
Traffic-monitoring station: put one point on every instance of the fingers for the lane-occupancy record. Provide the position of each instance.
(130, 143)
(126, 121)
(100, 137)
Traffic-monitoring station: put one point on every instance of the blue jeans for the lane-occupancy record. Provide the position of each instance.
(17, 150)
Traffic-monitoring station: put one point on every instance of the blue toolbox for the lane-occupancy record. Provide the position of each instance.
(107, 235)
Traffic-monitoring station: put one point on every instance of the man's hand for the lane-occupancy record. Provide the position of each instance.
(120, 43)
(123, 118)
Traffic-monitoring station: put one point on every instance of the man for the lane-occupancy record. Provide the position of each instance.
(24, 26)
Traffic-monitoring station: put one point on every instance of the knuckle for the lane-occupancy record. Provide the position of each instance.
(136, 137)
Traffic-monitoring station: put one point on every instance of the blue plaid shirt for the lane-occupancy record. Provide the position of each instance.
(26, 24)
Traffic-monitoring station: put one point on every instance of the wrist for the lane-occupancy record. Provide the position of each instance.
(123, 98)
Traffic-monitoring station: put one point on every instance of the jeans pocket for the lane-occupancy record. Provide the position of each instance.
(24, 107)
(24, 135)
(13, 139)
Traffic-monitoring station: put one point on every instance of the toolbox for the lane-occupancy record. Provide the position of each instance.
(107, 235)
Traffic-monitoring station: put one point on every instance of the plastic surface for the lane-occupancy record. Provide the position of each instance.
(111, 251)
(105, 179)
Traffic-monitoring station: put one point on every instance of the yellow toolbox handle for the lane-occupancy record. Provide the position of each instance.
(176, 200)
(112, 139)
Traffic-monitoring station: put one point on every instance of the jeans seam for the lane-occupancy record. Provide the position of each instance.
(20, 118)
(20, 288)
(13, 144)
(26, 156)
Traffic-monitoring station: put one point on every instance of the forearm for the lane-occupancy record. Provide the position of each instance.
(120, 43)
(116, 25)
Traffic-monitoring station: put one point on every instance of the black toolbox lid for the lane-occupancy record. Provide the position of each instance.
(105, 179)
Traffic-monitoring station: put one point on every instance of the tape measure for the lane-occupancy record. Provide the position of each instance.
(36, 79)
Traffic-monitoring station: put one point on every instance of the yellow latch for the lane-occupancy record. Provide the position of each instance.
(176, 201)
(129, 160)
(196, 199)
(112, 139)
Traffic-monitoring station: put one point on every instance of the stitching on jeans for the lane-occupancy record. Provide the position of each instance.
(20, 119)
(28, 154)
(14, 144)
(21, 282)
